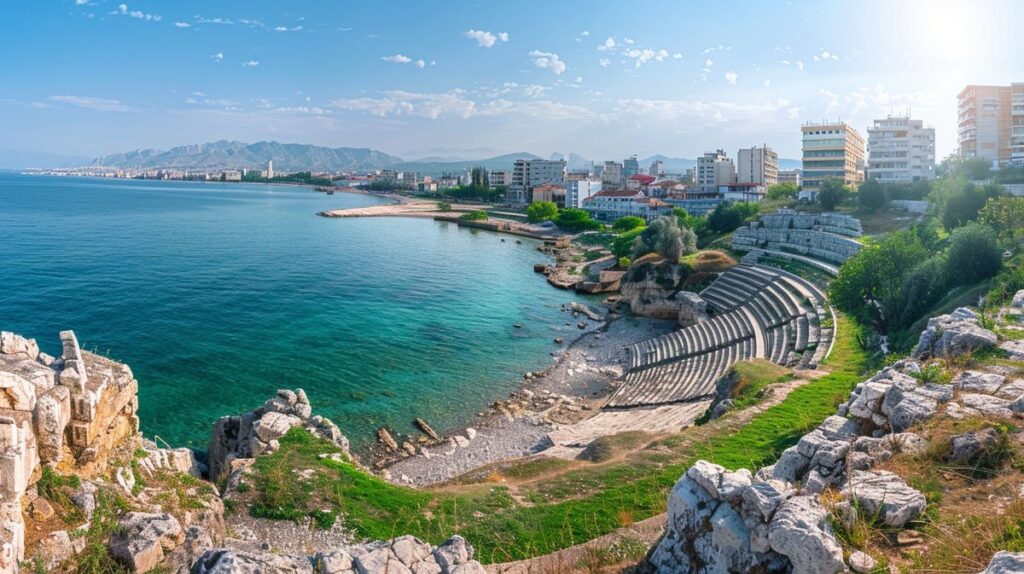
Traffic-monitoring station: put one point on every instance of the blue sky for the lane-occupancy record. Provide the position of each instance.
(417, 78)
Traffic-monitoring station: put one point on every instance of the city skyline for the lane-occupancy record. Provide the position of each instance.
(461, 79)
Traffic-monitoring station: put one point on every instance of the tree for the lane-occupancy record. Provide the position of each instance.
(726, 217)
(574, 219)
(664, 237)
(541, 211)
(478, 178)
(444, 206)
(628, 223)
(782, 191)
(973, 254)
(870, 284)
(962, 203)
(1006, 216)
(622, 246)
(832, 193)
(872, 195)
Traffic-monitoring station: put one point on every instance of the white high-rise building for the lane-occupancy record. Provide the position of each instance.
(758, 165)
(714, 169)
(657, 168)
(530, 173)
(612, 174)
(576, 190)
(901, 150)
(270, 169)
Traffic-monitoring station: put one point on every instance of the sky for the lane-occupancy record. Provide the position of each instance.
(471, 79)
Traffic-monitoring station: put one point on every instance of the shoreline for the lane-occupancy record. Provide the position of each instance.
(568, 391)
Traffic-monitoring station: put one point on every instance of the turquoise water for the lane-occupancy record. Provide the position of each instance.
(218, 294)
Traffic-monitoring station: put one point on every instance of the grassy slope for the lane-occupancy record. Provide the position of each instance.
(557, 510)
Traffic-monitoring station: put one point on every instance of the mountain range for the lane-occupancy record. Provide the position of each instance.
(305, 157)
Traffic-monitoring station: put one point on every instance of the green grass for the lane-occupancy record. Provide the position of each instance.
(752, 378)
(569, 507)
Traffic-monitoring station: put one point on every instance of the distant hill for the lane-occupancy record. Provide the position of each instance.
(788, 164)
(672, 164)
(235, 155)
(437, 167)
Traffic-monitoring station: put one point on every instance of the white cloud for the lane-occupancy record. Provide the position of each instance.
(287, 29)
(251, 64)
(578, 80)
(456, 104)
(824, 56)
(768, 83)
(198, 93)
(800, 64)
(99, 104)
(549, 61)
(484, 38)
(420, 64)
(122, 10)
(731, 77)
(604, 62)
(218, 57)
(628, 41)
(585, 33)
(223, 21)
(81, 2)
(708, 63)
(608, 45)
(677, 56)
(397, 59)
(716, 111)
(534, 91)
(642, 56)
(182, 25)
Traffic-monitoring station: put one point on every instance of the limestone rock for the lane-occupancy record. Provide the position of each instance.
(861, 563)
(884, 494)
(40, 510)
(966, 447)
(1018, 300)
(800, 532)
(55, 550)
(223, 561)
(953, 335)
(1005, 562)
(453, 552)
(143, 539)
(258, 431)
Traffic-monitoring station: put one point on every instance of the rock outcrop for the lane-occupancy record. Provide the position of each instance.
(653, 288)
(403, 555)
(74, 410)
(257, 432)
(953, 335)
(825, 236)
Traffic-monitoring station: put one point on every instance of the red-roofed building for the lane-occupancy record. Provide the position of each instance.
(613, 204)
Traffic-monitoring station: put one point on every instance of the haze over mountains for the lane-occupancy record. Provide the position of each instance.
(226, 154)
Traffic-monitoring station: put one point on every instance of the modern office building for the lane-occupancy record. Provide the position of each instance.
(714, 169)
(991, 123)
(530, 173)
(612, 173)
(757, 165)
(630, 167)
(900, 150)
(657, 168)
(831, 150)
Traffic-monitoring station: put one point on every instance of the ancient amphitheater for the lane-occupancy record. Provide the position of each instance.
(756, 312)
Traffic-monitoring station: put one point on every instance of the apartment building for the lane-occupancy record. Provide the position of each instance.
(991, 123)
(577, 190)
(610, 205)
(630, 167)
(900, 150)
(612, 174)
(530, 173)
(757, 165)
(790, 176)
(714, 169)
(498, 178)
(657, 168)
(831, 150)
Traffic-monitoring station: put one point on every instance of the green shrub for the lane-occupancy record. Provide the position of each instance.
(444, 206)
(573, 219)
(624, 262)
(477, 215)
(664, 237)
(628, 223)
(832, 193)
(872, 195)
(622, 246)
(973, 254)
(539, 211)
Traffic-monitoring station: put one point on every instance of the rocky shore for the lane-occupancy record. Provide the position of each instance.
(583, 373)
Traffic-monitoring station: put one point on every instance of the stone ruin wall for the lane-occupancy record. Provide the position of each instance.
(69, 411)
(825, 236)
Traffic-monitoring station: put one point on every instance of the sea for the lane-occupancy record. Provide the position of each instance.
(218, 294)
